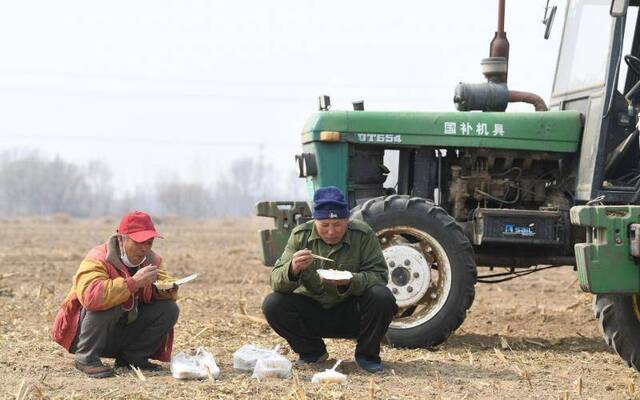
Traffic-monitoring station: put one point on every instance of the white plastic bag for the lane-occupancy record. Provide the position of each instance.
(246, 357)
(200, 366)
(329, 376)
(272, 366)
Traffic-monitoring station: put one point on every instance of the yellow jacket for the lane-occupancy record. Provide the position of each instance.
(103, 282)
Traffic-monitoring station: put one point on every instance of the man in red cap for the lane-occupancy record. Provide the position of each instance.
(114, 309)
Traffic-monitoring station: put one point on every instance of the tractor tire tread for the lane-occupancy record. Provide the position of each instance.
(619, 326)
(464, 253)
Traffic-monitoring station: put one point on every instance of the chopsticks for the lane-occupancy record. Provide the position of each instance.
(321, 258)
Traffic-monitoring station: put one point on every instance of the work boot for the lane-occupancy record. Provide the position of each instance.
(143, 365)
(94, 370)
(312, 359)
(369, 365)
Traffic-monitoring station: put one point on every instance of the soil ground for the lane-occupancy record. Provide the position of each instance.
(533, 337)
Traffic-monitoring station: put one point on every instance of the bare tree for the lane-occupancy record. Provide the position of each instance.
(187, 199)
(237, 192)
(33, 185)
(99, 176)
(141, 198)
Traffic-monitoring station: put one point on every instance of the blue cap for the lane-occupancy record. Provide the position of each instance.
(329, 202)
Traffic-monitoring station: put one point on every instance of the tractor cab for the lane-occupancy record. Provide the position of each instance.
(597, 67)
(604, 86)
(607, 91)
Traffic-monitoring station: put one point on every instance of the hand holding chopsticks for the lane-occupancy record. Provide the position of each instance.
(302, 259)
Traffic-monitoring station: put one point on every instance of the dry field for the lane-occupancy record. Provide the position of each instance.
(534, 337)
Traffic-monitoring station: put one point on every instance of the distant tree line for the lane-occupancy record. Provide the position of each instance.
(32, 184)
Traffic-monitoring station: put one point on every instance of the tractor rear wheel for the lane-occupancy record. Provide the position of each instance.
(432, 272)
(619, 321)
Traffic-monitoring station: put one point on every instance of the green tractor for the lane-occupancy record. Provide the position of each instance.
(481, 188)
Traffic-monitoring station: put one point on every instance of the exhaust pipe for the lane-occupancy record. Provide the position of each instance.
(499, 46)
(494, 95)
(516, 96)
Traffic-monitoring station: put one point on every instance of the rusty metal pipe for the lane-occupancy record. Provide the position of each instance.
(501, 15)
(499, 46)
(516, 96)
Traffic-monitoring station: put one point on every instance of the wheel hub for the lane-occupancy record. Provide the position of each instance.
(410, 274)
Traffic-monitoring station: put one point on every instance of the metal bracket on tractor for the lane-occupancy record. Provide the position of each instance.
(634, 240)
(609, 261)
(286, 215)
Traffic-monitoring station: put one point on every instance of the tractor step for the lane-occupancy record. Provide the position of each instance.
(287, 215)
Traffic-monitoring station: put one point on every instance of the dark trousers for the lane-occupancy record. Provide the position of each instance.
(303, 322)
(107, 334)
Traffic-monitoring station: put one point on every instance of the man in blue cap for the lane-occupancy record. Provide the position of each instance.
(304, 308)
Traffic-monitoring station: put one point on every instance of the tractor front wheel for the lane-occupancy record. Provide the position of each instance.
(619, 321)
(432, 272)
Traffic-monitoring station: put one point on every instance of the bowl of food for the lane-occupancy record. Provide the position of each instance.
(334, 274)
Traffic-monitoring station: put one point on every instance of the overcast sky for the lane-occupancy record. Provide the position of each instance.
(156, 88)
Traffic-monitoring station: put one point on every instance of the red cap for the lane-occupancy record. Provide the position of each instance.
(138, 226)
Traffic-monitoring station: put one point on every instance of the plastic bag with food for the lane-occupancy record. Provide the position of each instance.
(246, 357)
(199, 366)
(329, 376)
(272, 366)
